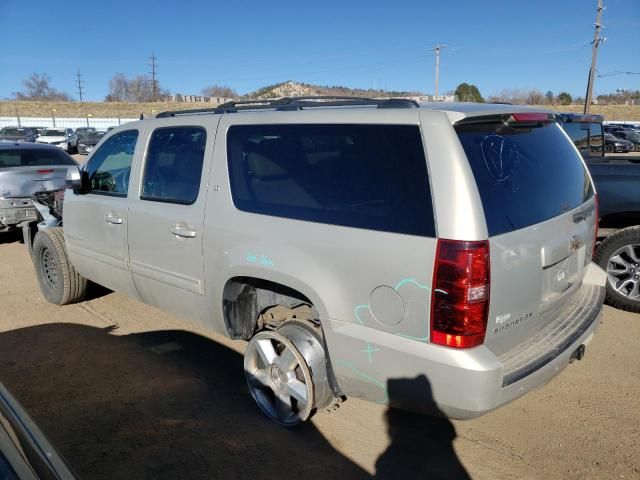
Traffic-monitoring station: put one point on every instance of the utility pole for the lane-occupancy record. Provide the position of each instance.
(436, 50)
(79, 84)
(596, 42)
(153, 72)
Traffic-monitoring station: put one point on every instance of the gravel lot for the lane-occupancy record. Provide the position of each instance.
(126, 391)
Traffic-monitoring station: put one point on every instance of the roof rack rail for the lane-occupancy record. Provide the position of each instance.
(295, 103)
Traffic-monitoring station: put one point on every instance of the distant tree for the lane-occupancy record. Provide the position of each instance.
(468, 93)
(219, 91)
(37, 88)
(534, 97)
(136, 89)
(117, 88)
(564, 98)
(549, 97)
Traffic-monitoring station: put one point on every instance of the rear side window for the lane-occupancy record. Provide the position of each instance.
(23, 157)
(110, 166)
(364, 176)
(173, 167)
(525, 174)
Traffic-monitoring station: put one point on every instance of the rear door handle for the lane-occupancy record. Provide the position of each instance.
(182, 230)
(113, 219)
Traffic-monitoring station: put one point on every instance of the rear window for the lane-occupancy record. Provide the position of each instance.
(364, 176)
(21, 157)
(525, 174)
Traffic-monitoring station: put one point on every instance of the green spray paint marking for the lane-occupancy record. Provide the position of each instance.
(369, 350)
(356, 310)
(412, 281)
(368, 378)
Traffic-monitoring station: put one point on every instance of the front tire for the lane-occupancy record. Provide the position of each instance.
(59, 282)
(619, 256)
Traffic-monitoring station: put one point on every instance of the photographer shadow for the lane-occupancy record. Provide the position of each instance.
(421, 446)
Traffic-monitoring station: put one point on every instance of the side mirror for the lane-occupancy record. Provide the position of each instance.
(77, 180)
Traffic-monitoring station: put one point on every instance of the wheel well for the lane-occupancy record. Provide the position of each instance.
(244, 299)
(620, 220)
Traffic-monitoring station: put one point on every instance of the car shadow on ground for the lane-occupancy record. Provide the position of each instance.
(13, 236)
(173, 404)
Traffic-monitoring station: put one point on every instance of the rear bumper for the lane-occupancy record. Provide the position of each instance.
(16, 210)
(461, 384)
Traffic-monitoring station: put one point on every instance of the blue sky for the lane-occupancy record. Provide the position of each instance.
(248, 44)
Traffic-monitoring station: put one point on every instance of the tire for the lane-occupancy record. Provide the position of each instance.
(608, 148)
(286, 372)
(59, 282)
(619, 256)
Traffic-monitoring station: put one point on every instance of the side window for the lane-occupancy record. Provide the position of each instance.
(110, 167)
(173, 167)
(363, 176)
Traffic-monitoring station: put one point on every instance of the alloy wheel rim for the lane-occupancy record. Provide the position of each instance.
(49, 268)
(623, 271)
(278, 378)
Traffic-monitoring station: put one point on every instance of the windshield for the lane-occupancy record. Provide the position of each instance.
(17, 132)
(53, 133)
(35, 157)
(525, 174)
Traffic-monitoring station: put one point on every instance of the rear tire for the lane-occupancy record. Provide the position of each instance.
(619, 256)
(59, 282)
(286, 372)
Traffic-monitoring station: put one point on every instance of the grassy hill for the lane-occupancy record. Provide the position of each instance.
(294, 89)
(8, 108)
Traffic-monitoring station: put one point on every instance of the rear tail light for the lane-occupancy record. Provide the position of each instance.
(46, 170)
(460, 297)
(597, 224)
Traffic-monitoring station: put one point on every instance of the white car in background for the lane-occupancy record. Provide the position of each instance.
(64, 138)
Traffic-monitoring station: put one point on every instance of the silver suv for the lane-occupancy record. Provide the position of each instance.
(350, 242)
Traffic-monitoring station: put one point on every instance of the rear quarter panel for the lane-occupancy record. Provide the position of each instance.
(336, 267)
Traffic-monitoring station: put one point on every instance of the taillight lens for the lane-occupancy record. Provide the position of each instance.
(597, 224)
(460, 297)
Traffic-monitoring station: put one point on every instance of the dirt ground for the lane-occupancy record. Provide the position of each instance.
(126, 391)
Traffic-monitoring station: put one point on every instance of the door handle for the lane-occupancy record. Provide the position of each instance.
(182, 230)
(113, 219)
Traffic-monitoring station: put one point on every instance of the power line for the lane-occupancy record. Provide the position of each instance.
(596, 43)
(154, 66)
(79, 83)
(617, 72)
